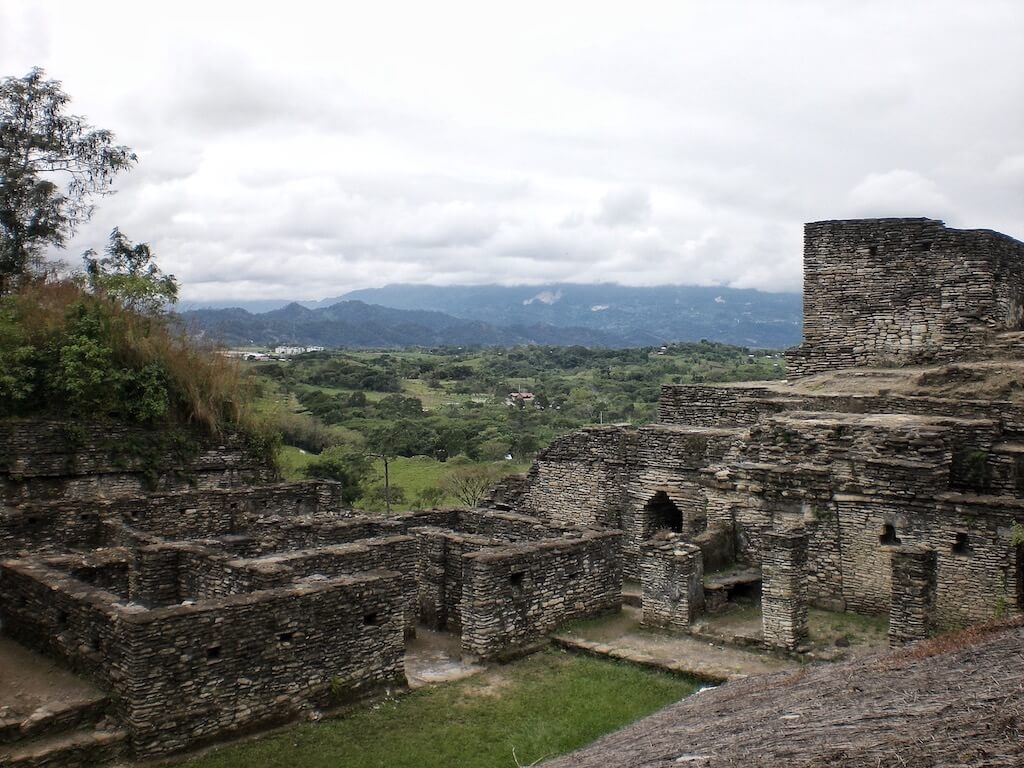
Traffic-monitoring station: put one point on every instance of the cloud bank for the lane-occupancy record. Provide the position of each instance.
(298, 151)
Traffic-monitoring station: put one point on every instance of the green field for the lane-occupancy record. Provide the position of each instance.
(292, 461)
(412, 474)
(436, 409)
(541, 706)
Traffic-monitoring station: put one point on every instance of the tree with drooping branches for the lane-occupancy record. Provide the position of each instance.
(52, 167)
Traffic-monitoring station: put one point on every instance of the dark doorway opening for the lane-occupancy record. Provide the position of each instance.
(888, 537)
(662, 514)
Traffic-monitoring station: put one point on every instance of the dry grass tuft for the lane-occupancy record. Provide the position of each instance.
(948, 642)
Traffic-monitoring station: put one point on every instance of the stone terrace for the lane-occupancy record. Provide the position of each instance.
(894, 491)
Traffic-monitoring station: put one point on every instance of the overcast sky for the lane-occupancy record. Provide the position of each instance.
(300, 150)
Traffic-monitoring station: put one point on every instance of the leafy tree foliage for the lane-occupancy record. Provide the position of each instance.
(128, 274)
(469, 483)
(348, 467)
(52, 165)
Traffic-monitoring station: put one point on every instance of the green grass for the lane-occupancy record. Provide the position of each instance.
(413, 474)
(543, 706)
(431, 398)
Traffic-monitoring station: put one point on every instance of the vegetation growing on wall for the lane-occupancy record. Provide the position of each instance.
(96, 345)
(66, 352)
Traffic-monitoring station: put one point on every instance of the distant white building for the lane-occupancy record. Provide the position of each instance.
(286, 351)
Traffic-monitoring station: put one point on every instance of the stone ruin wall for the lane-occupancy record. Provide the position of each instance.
(672, 582)
(467, 577)
(253, 604)
(186, 674)
(884, 292)
(166, 568)
(784, 587)
(82, 523)
(514, 596)
(49, 461)
(604, 476)
(580, 479)
(843, 468)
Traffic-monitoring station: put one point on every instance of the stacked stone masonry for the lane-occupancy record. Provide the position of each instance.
(904, 291)
(219, 609)
(913, 594)
(728, 465)
(784, 589)
(672, 582)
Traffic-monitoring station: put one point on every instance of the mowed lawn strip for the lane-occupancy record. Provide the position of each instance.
(545, 705)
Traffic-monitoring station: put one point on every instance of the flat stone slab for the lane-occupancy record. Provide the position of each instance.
(728, 579)
(621, 637)
(435, 657)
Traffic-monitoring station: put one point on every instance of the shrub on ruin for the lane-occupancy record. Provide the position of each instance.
(68, 352)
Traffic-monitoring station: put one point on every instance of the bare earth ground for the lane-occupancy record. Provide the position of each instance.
(956, 700)
(435, 657)
(832, 635)
(31, 683)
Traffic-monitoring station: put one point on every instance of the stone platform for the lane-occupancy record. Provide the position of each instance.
(51, 717)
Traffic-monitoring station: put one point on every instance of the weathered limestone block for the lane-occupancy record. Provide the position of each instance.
(913, 593)
(784, 589)
(671, 581)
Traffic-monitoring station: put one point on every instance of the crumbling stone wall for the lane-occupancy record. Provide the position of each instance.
(913, 594)
(672, 582)
(580, 479)
(189, 673)
(513, 596)
(220, 609)
(609, 476)
(732, 405)
(701, 405)
(254, 659)
(852, 471)
(80, 524)
(783, 589)
(901, 291)
(50, 461)
(440, 573)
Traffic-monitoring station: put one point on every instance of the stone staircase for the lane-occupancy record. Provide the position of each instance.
(75, 735)
(52, 717)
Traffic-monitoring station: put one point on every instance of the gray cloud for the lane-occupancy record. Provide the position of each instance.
(301, 152)
(625, 207)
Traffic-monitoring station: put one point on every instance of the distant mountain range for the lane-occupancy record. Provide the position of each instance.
(558, 314)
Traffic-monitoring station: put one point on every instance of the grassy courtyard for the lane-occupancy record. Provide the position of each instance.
(542, 706)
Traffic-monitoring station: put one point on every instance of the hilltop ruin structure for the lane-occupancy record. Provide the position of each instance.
(222, 604)
(207, 600)
(873, 490)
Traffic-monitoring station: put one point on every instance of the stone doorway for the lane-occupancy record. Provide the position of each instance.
(661, 514)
